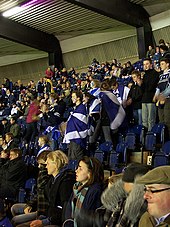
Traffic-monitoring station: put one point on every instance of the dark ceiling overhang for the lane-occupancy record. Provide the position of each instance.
(19, 33)
(121, 10)
(126, 12)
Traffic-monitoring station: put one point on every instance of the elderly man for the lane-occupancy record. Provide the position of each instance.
(157, 194)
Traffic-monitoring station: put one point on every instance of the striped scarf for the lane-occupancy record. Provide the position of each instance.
(79, 193)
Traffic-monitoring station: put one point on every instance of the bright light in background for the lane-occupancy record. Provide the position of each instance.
(29, 3)
(18, 9)
(12, 11)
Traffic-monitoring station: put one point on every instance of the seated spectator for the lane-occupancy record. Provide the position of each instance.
(26, 212)
(2, 143)
(9, 142)
(13, 175)
(15, 128)
(157, 195)
(87, 190)
(57, 190)
(43, 143)
(123, 201)
(4, 220)
(4, 157)
(5, 126)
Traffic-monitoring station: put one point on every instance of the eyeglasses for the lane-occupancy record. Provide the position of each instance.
(152, 191)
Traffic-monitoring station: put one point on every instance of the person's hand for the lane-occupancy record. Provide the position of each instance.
(36, 223)
(27, 210)
(161, 98)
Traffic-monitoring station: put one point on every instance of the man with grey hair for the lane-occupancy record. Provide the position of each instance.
(157, 195)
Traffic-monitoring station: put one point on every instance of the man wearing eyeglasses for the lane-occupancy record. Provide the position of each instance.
(157, 194)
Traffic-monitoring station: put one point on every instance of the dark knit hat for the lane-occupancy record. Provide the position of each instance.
(133, 170)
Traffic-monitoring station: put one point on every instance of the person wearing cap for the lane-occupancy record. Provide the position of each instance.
(123, 202)
(157, 195)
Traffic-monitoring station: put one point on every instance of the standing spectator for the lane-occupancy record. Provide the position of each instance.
(40, 87)
(150, 53)
(77, 128)
(157, 195)
(135, 97)
(49, 73)
(149, 84)
(112, 113)
(164, 105)
(164, 51)
(31, 120)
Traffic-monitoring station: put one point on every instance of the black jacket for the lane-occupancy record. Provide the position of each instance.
(58, 192)
(13, 176)
(135, 94)
(150, 82)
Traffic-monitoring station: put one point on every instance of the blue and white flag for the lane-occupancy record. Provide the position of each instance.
(94, 108)
(95, 92)
(77, 126)
(113, 108)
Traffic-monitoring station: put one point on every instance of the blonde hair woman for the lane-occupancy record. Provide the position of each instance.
(58, 189)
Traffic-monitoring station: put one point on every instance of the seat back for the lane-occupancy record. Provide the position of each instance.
(130, 140)
(150, 141)
(158, 130)
(166, 148)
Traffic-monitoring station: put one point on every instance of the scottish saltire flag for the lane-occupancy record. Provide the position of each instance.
(113, 108)
(94, 107)
(95, 91)
(77, 126)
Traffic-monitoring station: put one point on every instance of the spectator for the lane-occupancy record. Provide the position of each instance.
(57, 190)
(87, 190)
(164, 105)
(157, 195)
(13, 175)
(150, 53)
(135, 97)
(9, 142)
(123, 201)
(112, 113)
(32, 119)
(5, 126)
(148, 88)
(164, 51)
(43, 143)
(26, 212)
(77, 128)
(15, 129)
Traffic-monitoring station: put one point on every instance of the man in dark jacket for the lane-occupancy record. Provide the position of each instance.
(150, 81)
(13, 175)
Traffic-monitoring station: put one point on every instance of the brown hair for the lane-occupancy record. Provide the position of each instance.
(96, 170)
